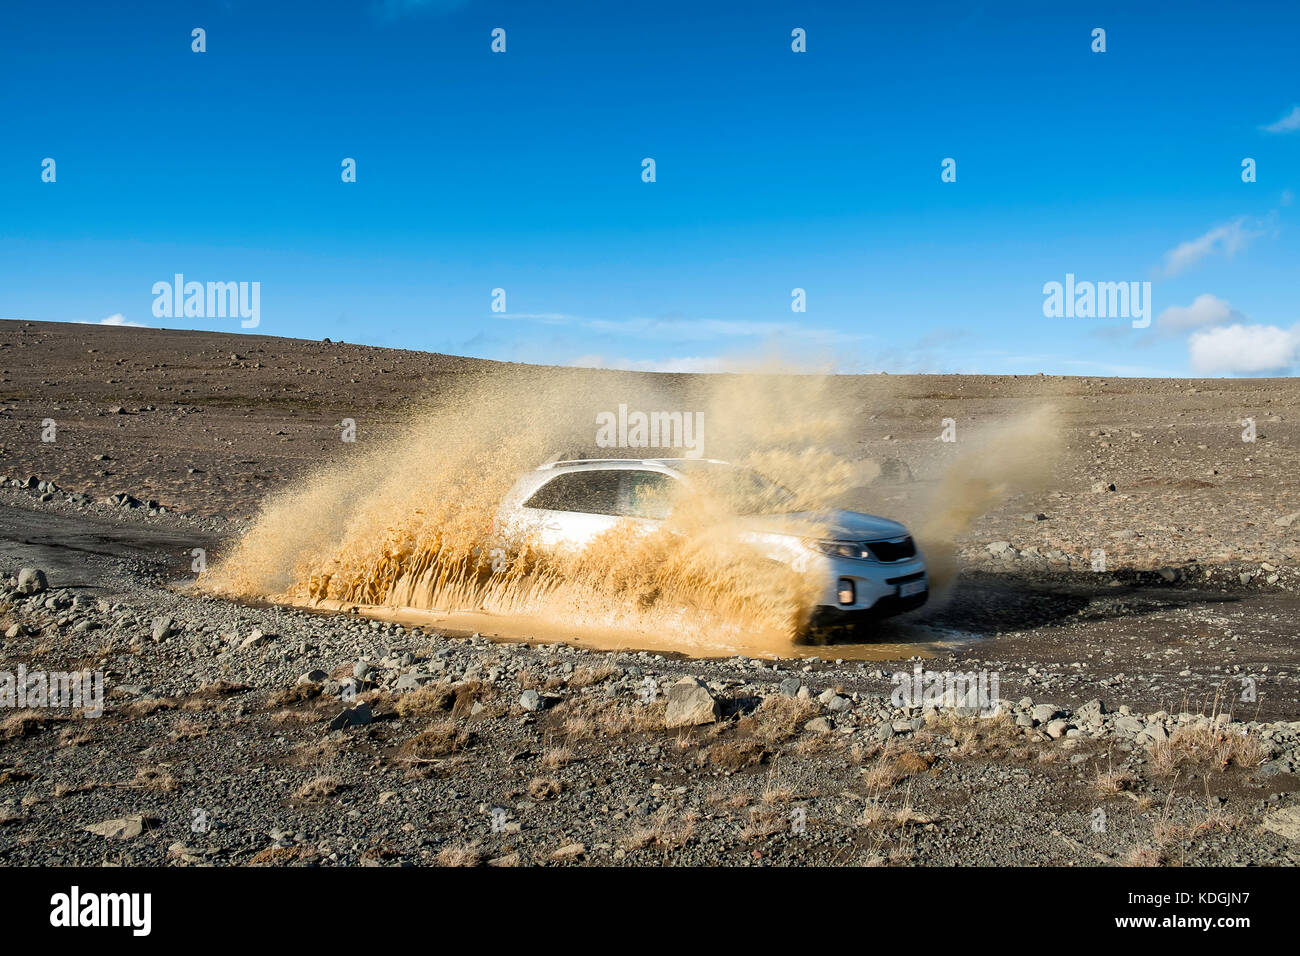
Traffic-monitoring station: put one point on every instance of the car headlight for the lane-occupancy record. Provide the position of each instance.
(841, 549)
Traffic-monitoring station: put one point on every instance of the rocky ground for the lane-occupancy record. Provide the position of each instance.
(1148, 714)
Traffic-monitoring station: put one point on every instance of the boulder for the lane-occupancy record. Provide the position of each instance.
(1285, 823)
(32, 581)
(690, 704)
(121, 828)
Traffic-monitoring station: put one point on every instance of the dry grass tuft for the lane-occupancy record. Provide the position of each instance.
(589, 676)
(147, 706)
(735, 754)
(278, 856)
(24, 723)
(434, 700)
(189, 730)
(581, 719)
(437, 740)
(557, 757)
(1113, 782)
(427, 703)
(975, 736)
(729, 801)
(544, 788)
(1144, 856)
(295, 694)
(1205, 745)
(778, 718)
(467, 855)
(763, 823)
(318, 789)
(667, 832)
(892, 767)
(153, 778)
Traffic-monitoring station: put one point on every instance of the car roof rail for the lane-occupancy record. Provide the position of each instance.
(553, 462)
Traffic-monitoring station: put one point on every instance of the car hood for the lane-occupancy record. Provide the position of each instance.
(834, 524)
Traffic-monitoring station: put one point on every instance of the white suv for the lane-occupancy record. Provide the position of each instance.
(870, 566)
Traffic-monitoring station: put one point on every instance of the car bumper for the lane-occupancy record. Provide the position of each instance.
(877, 588)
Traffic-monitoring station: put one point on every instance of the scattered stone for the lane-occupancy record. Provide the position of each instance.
(121, 828)
(1128, 726)
(1285, 823)
(1057, 728)
(357, 716)
(570, 851)
(1090, 712)
(1042, 713)
(255, 639)
(820, 725)
(689, 704)
(410, 681)
(32, 581)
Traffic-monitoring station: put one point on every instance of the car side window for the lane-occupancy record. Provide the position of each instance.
(587, 492)
(646, 494)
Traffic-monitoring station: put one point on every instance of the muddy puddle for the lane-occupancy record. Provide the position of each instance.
(905, 640)
(424, 521)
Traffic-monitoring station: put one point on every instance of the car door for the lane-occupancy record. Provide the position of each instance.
(573, 508)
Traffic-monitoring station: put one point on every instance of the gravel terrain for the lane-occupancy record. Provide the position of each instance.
(1148, 710)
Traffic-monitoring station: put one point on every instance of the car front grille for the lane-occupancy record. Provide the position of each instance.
(904, 579)
(891, 550)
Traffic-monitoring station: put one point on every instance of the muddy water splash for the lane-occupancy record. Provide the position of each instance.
(409, 524)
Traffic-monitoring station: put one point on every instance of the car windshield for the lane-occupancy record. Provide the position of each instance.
(744, 490)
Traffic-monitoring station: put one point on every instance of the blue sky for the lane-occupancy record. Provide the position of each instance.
(775, 170)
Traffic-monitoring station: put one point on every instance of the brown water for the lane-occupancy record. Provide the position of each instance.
(919, 641)
(407, 527)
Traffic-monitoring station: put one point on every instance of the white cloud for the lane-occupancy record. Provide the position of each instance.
(1227, 239)
(117, 318)
(1287, 124)
(1244, 349)
(1204, 310)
